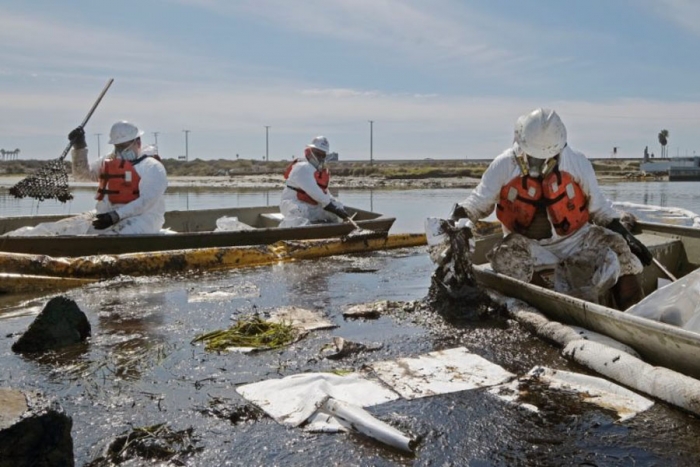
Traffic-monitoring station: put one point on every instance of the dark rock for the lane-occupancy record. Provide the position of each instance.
(33, 431)
(60, 323)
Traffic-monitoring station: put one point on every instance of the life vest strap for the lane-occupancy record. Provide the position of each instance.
(108, 176)
(105, 191)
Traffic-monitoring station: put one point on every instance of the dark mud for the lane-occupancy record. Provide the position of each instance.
(139, 369)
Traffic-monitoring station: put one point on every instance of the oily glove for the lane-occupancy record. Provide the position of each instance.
(637, 247)
(77, 138)
(458, 212)
(102, 221)
(337, 209)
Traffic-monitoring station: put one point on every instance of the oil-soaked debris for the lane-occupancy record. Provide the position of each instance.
(588, 389)
(358, 270)
(341, 348)
(372, 310)
(300, 318)
(250, 333)
(157, 443)
(237, 415)
(60, 323)
(222, 293)
(454, 292)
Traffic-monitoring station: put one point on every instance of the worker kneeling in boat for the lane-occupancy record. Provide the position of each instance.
(547, 198)
(305, 198)
(131, 182)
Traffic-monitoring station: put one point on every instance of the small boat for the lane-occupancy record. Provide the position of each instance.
(676, 248)
(192, 229)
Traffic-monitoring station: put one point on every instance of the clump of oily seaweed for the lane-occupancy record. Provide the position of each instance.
(157, 443)
(250, 332)
(454, 292)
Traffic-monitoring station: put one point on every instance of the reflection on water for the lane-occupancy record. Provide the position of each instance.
(139, 367)
(409, 207)
(665, 194)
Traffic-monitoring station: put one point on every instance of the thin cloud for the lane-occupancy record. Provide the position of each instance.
(445, 33)
(684, 13)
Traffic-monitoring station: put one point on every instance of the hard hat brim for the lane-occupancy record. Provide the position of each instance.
(119, 141)
(313, 146)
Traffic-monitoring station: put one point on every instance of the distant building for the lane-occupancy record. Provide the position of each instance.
(684, 169)
(677, 168)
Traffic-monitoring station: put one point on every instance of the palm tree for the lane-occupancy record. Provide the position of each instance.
(663, 139)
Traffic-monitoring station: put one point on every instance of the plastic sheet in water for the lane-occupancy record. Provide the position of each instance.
(592, 389)
(293, 399)
(440, 372)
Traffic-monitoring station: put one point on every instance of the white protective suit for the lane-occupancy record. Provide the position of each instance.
(144, 215)
(548, 252)
(297, 212)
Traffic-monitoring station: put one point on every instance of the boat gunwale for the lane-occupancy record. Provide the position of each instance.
(586, 307)
(82, 245)
(659, 343)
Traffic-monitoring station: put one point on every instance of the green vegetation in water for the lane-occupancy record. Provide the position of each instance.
(250, 332)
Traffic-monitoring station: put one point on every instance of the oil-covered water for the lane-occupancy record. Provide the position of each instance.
(140, 369)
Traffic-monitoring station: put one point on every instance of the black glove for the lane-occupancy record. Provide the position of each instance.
(102, 221)
(337, 209)
(77, 138)
(637, 247)
(458, 212)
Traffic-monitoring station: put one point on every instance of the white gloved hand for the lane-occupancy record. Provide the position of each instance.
(464, 222)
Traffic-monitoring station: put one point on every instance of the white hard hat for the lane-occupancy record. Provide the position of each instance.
(123, 132)
(540, 134)
(320, 142)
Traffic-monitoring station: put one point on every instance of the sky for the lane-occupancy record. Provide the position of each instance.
(442, 79)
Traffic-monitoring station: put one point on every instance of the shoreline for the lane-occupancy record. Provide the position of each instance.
(274, 181)
(337, 182)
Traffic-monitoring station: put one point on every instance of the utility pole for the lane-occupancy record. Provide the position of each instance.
(187, 154)
(98, 144)
(267, 143)
(155, 135)
(371, 142)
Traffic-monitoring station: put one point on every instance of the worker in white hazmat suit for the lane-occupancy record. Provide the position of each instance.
(547, 198)
(305, 198)
(131, 183)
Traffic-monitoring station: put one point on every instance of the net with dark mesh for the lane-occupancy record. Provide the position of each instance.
(49, 182)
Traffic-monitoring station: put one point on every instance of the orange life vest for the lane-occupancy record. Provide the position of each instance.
(322, 178)
(565, 201)
(119, 180)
